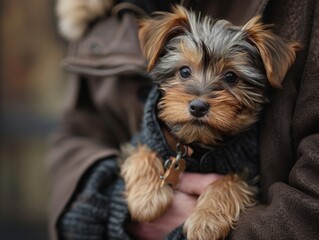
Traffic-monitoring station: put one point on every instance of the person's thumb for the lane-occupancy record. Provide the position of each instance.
(195, 183)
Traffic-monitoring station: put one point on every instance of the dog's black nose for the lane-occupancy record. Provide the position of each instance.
(198, 108)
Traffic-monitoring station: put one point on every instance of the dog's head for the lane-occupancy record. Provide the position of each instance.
(213, 74)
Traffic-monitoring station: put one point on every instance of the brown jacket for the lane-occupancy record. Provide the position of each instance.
(104, 110)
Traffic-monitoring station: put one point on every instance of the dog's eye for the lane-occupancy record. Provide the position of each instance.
(231, 78)
(185, 72)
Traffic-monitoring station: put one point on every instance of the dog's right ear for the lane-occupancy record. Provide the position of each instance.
(154, 33)
(277, 53)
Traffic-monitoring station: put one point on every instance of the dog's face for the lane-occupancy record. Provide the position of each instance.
(213, 74)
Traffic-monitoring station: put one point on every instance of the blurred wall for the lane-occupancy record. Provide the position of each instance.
(32, 87)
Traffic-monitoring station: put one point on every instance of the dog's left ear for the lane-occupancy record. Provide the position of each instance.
(277, 53)
(154, 33)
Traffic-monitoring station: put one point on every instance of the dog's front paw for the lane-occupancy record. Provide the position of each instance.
(147, 204)
(146, 198)
(218, 209)
(205, 225)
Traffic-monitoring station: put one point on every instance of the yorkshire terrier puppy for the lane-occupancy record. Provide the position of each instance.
(212, 77)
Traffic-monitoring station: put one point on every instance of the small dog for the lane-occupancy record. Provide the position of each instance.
(213, 78)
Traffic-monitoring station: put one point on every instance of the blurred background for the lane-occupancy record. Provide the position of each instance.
(32, 91)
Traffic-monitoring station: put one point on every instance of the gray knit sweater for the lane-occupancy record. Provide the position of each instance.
(99, 210)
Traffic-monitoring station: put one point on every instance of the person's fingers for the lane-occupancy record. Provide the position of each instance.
(195, 183)
(191, 185)
(182, 206)
(176, 214)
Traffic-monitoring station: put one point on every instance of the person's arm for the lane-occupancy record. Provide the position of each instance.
(292, 210)
(99, 195)
(83, 138)
(107, 86)
(104, 107)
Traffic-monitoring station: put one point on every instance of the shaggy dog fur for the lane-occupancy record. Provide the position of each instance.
(213, 77)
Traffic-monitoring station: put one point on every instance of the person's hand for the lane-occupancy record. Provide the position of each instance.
(190, 187)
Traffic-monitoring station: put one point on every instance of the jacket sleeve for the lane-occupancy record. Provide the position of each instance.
(292, 210)
(104, 106)
(98, 210)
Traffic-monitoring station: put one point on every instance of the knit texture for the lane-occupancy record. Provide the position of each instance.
(99, 210)
(118, 212)
(176, 234)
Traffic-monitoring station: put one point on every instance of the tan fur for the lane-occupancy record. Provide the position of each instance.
(155, 32)
(192, 56)
(146, 199)
(174, 109)
(277, 53)
(218, 209)
(75, 15)
(223, 115)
